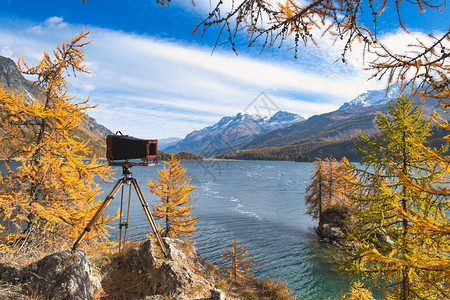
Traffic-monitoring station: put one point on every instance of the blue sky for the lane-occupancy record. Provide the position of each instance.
(152, 78)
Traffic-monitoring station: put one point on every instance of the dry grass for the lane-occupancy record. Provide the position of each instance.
(10, 291)
(187, 246)
(119, 281)
(18, 292)
(32, 251)
(276, 290)
(251, 289)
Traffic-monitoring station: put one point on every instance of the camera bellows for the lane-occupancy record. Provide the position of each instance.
(123, 147)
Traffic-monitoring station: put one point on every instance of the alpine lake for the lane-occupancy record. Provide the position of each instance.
(259, 203)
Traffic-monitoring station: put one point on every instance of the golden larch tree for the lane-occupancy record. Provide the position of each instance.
(333, 181)
(402, 228)
(315, 191)
(237, 263)
(51, 193)
(174, 196)
(328, 188)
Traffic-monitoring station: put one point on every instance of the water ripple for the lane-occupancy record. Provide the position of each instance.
(261, 205)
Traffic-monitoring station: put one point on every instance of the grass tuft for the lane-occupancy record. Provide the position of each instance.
(187, 246)
(276, 290)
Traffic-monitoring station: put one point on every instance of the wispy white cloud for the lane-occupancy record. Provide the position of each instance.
(154, 88)
(56, 22)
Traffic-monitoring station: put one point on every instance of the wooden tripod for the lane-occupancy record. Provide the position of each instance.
(129, 180)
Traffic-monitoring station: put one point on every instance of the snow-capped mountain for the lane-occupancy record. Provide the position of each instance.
(374, 97)
(232, 133)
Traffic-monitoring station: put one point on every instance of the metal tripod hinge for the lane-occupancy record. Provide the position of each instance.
(127, 179)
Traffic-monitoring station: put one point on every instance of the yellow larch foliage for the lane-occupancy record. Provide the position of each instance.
(328, 188)
(358, 292)
(48, 191)
(174, 197)
(401, 232)
(238, 264)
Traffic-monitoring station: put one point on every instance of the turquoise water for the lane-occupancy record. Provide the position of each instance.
(261, 204)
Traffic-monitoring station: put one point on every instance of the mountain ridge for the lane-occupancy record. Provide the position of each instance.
(164, 143)
(232, 133)
(329, 134)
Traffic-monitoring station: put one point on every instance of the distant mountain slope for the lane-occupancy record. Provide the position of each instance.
(164, 156)
(330, 134)
(232, 133)
(306, 152)
(309, 151)
(163, 144)
(12, 80)
(341, 124)
(336, 125)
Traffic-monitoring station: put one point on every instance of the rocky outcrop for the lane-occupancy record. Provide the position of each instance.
(334, 224)
(63, 275)
(182, 274)
(331, 234)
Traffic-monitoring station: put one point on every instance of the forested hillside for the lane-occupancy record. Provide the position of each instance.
(309, 151)
(328, 135)
(164, 156)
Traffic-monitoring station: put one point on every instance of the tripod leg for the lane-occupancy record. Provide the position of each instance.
(120, 219)
(148, 214)
(123, 241)
(99, 212)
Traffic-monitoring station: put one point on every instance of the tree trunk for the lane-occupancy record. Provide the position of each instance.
(405, 279)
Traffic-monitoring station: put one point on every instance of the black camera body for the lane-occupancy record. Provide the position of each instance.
(124, 150)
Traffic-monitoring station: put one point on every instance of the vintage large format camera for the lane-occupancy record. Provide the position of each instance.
(124, 150)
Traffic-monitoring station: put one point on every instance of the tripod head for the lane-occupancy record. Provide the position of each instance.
(126, 172)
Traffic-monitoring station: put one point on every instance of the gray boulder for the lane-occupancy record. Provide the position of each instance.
(173, 278)
(333, 233)
(63, 275)
(217, 294)
(10, 272)
(174, 252)
(143, 258)
(173, 248)
(182, 274)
